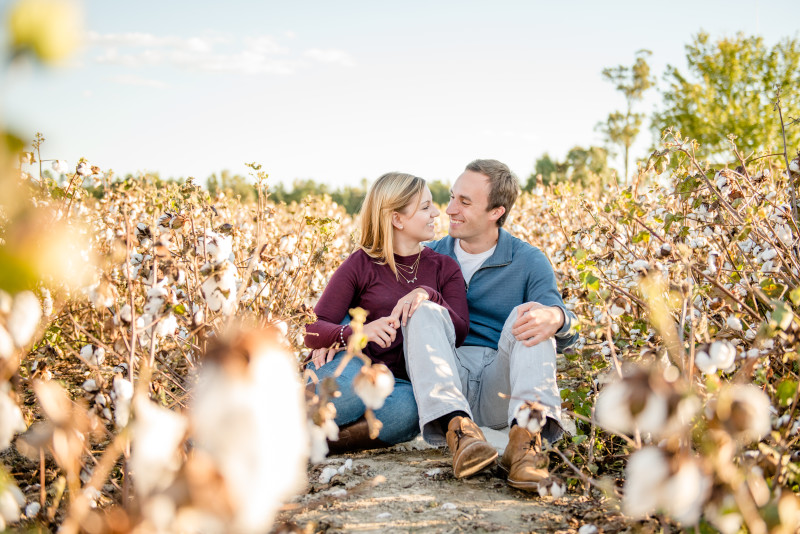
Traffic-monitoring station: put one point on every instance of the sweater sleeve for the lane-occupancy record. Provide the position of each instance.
(453, 297)
(333, 306)
(542, 288)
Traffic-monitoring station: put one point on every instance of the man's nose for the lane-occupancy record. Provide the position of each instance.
(451, 208)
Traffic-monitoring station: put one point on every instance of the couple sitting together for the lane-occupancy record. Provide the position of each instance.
(458, 321)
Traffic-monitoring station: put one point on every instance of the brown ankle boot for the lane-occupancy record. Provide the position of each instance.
(354, 437)
(471, 451)
(524, 460)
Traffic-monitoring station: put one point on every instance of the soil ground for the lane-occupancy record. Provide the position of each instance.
(395, 490)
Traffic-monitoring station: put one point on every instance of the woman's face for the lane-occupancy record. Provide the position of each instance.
(417, 219)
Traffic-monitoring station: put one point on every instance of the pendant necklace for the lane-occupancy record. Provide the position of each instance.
(409, 272)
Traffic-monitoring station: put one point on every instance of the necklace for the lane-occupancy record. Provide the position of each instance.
(409, 272)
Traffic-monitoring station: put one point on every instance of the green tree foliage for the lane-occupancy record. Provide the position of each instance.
(585, 166)
(231, 184)
(729, 89)
(621, 127)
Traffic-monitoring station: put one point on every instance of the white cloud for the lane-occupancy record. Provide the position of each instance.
(249, 55)
(129, 79)
(332, 56)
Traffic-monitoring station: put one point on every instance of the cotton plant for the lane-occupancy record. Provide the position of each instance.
(233, 424)
(11, 420)
(673, 484)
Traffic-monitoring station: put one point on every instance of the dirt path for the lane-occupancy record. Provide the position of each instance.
(414, 491)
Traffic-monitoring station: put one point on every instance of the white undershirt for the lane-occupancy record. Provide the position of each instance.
(471, 262)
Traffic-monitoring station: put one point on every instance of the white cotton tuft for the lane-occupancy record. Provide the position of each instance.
(11, 420)
(156, 436)
(24, 317)
(734, 323)
(122, 394)
(235, 416)
(646, 472)
(373, 384)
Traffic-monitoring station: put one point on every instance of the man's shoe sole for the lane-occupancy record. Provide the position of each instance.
(523, 485)
(478, 464)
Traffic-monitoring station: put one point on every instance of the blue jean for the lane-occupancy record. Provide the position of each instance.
(398, 414)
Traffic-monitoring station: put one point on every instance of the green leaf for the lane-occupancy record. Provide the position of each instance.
(180, 309)
(786, 391)
(590, 281)
(794, 295)
(772, 288)
(782, 315)
(643, 236)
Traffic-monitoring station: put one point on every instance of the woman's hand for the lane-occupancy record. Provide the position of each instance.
(382, 331)
(322, 356)
(407, 305)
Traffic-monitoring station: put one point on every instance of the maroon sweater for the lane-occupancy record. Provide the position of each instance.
(361, 281)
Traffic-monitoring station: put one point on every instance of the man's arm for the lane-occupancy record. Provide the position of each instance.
(544, 314)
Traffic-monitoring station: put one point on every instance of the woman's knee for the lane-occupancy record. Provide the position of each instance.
(399, 415)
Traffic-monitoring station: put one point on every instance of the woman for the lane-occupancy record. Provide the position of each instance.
(389, 275)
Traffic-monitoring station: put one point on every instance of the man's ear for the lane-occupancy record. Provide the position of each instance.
(496, 213)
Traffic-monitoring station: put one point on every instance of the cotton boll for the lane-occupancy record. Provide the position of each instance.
(156, 435)
(245, 392)
(32, 510)
(24, 318)
(167, 326)
(47, 303)
(219, 289)
(532, 416)
(734, 323)
(744, 411)
(373, 384)
(122, 395)
(90, 386)
(685, 493)
(6, 343)
(125, 313)
(102, 295)
(624, 406)
(217, 247)
(551, 486)
(646, 472)
(11, 500)
(11, 420)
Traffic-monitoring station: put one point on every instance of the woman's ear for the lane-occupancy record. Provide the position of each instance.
(397, 221)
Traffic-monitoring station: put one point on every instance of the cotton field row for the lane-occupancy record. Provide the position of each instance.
(175, 322)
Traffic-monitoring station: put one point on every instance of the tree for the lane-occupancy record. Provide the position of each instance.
(622, 127)
(729, 89)
(585, 166)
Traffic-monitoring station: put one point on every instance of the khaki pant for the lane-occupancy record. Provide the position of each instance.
(446, 379)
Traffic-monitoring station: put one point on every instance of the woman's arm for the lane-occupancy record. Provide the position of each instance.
(332, 307)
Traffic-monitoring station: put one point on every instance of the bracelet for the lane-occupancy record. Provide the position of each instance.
(341, 335)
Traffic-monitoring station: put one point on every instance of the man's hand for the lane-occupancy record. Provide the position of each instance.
(536, 322)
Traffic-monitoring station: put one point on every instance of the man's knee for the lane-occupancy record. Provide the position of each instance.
(429, 313)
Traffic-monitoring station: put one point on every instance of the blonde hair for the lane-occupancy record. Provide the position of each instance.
(392, 192)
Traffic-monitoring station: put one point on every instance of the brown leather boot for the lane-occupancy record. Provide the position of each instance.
(524, 460)
(471, 451)
(354, 437)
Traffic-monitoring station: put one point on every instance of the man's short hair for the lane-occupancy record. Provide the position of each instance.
(503, 184)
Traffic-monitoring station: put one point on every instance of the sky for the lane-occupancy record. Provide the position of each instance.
(342, 91)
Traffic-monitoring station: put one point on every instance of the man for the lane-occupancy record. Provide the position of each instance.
(517, 320)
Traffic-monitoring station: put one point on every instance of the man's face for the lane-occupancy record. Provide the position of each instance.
(469, 198)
